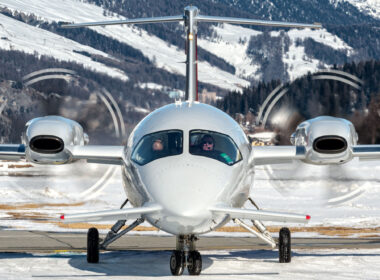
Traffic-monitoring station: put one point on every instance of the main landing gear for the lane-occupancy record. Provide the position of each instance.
(92, 245)
(284, 241)
(93, 241)
(284, 246)
(186, 255)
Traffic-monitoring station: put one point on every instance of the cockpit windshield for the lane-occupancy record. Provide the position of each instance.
(214, 145)
(158, 145)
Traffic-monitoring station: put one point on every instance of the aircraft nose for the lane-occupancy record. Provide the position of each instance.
(186, 189)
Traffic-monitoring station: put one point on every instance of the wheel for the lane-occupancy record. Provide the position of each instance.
(93, 245)
(177, 262)
(284, 246)
(194, 263)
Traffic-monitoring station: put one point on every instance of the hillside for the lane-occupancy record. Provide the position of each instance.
(143, 68)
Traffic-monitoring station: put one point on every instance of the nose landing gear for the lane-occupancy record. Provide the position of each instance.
(177, 262)
(194, 263)
(186, 255)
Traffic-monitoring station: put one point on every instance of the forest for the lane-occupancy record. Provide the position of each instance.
(310, 96)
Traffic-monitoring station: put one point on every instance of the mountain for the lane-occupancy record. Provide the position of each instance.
(369, 7)
(141, 66)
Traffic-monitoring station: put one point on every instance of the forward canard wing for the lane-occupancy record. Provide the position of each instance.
(110, 215)
(251, 214)
(92, 153)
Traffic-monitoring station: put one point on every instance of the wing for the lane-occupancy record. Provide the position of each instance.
(366, 152)
(262, 155)
(98, 154)
(237, 213)
(111, 215)
(12, 151)
(91, 153)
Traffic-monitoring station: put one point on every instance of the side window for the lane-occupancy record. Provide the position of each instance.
(158, 145)
(214, 145)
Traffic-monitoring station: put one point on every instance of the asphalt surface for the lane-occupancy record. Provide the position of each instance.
(40, 241)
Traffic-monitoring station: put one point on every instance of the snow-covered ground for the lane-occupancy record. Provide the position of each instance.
(233, 264)
(345, 196)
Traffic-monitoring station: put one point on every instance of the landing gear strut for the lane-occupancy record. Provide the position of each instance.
(186, 255)
(284, 242)
(284, 246)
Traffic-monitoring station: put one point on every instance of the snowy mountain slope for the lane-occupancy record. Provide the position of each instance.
(227, 42)
(16, 35)
(369, 7)
(297, 61)
(163, 54)
(231, 42)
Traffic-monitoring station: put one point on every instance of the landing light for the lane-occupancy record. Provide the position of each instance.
(191, 36)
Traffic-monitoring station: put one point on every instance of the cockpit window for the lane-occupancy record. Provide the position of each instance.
(214, 145)
(158, 145)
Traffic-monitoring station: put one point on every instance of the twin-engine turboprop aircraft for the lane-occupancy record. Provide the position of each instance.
(188, 167)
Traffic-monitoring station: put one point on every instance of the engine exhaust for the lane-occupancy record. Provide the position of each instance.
(46, 144)
(330, 144)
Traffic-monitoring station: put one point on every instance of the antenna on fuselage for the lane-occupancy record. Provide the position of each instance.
(191, 17)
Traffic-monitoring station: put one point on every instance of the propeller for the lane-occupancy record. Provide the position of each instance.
(63, 92)
(336, 184)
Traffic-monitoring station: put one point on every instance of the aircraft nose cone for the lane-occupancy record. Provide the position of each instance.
(186, 189)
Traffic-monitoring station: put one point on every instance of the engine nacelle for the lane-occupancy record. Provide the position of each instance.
(328, 140)
(46, 138)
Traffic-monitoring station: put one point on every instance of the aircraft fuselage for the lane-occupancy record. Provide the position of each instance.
(186, 181)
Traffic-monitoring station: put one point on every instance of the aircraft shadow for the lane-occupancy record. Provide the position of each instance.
(131, 263)
(156, 263)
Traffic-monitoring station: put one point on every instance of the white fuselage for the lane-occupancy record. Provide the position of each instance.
(187, 185)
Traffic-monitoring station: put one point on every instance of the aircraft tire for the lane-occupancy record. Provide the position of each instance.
(177, 262)
(92, 245)
(194, 263)
(284, 246)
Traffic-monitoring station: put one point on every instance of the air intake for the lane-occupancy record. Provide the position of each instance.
(330, 144)
(46, 144)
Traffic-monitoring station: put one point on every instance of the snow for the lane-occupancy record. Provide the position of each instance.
(23, 37)
(232, 264)
(344, 195)
(165, 56)
(230, 42)
(319, 35)
(298, 62)
(370, 7)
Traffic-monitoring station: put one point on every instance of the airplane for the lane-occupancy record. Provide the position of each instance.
(188, 167)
